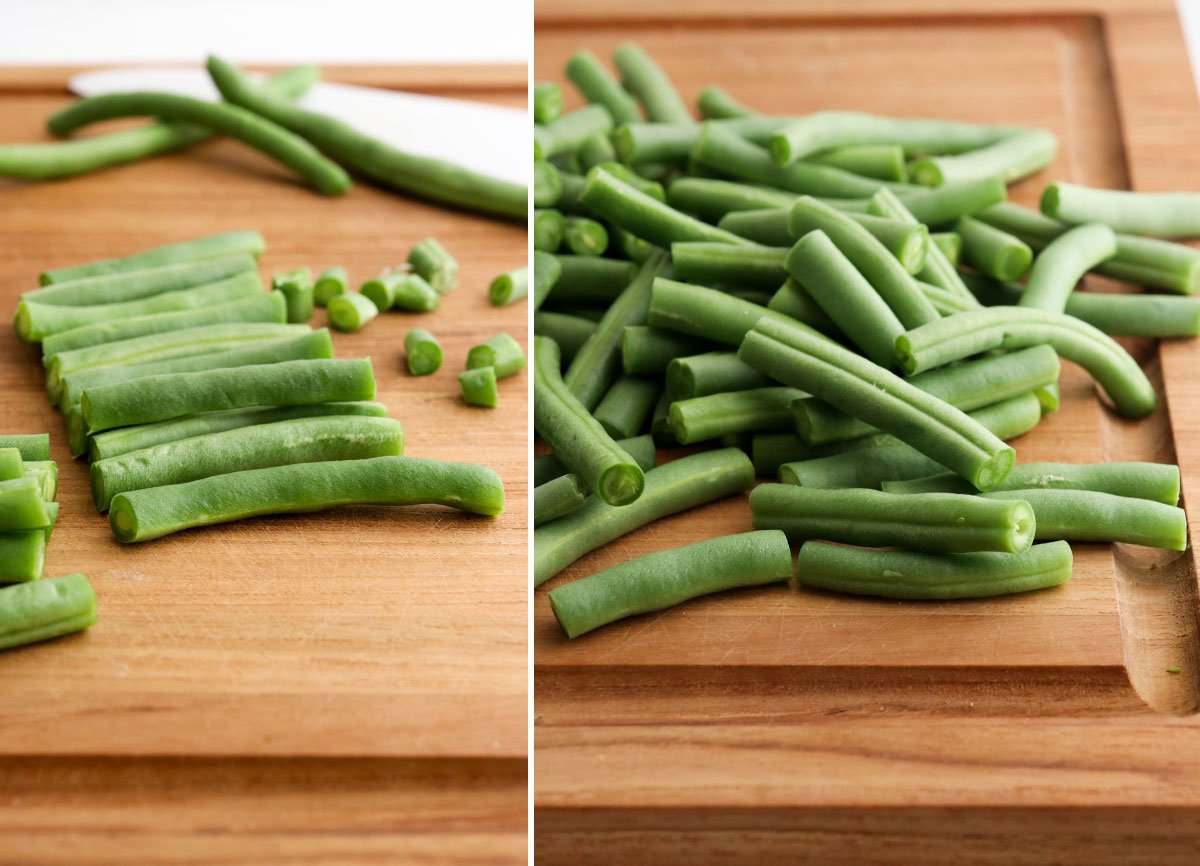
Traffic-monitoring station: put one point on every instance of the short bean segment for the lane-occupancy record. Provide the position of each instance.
(717, 415)
(509, 287)
(297, 288)
(598, 87)
(1088, 515)
(422, 352)
(429, 260)
(1157, 482)
(403, 290)
(22, 556)
(135, 285)
(906, 574)
(32, 446)
(22, 506)
(938, 522)
(711, 373)
(665, 578)
(1166, 214)
(557, 498)
(625, 409)
(647, 351)
(584, 237)
(992, 251)
(1062, 264)
(478, 387)
(501, 352)
(640, 448)
(351, 311)
(330, 283)
(44, 609)
(547, 101)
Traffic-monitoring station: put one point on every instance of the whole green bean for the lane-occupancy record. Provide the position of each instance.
(872, 394)
(35, 321)
(159, 398)
(707, 313)
(297, 289)
(591, 280)
(21, 505)
(570, 332)
(665, 578)
(565, 133)
(711, 373)
(1062, 264)
(1086, 515)
(43, 609)
(135, 285)
(711, 199)
(1158, 482)
(625, 409)
(478, 387)
(906, 575)
(22, 556)
(123, 440)
(502, 353)
(938, 522)
(547, 101)
(584, 237)
(142, 515)
(1009, 159)
(557, 498)
(992, 251)
(716, 264)
(673, 487)
(640, 448)
(547, 184)
(302, 440)
(577, 438)
(351, 311)
(592, 80)
(430, 261)
(950, 244)
(546, 272)
(1166, 214)
(422, 352)
(33, 446)
(209, 247)
(330, 283)
(548, 225)
(717, 415)
(966, 334)
(646, 81)
(426, 177)
(649, 351)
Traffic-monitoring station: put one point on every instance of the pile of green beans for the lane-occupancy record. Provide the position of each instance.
(850, 299)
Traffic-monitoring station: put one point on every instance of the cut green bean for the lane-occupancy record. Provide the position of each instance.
(44, 609)
(950, 245)
(501, 352)
(879, 161)
(641, 143)
(158, 398)
(45, 472)
(590, 280)
(547, 101)
(423, 176)
(595, 149)
(22, 557)
(717, 415)
(303, 440)
(978, 331)
(598, 87)
(33, 446)
(557, 498)
(547, 184)
(576, 437)
(546, 272)
(907, 575)
(114, 443)
(992, 251)
(548, 226)
(402, 291)
(707, 313)
(209, 247)
(584, 237)
(646, 81)
(351, 311)
(1086, 515)
(135, 285)
(1157, 482)
(714, 264)
(649, 351)
(570, 332)
(793, 301)
(640, 448)
(422, 352)
(567, 132)
(297, 288)
(711, 199)
(35, 321)
(330, 283)
(11, 464)
(872, 394)
(1009, 159)
(711, 373)
(671, 488)
(21, 505)
(665, 578)
(1165, 214)
(625, 409)
(1062, 264)
(478, 387)
(142, 515)
(430, 261)
(715, 103)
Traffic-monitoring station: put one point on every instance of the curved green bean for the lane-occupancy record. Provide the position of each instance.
(1009, 159)
(1062, 264)
(351, 311)
(330, 283)
(992, 251)
(626, 407)
(43, 609)
(592, 80)
(1165, 214)
(423, 353)
(716, 415)
(646, 81)
(1087, 515)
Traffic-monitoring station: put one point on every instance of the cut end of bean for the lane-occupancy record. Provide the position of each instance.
(1050, 200)
(995, 470)
(925, 172)
(621, 484)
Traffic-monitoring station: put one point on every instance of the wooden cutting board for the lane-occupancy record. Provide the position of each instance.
(779, 724)
(349, 685)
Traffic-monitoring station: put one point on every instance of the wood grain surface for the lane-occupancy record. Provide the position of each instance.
(796, 724)
(392, 638)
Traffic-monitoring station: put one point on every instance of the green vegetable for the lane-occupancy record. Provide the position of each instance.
(570, 332)
(546, 271)
(584, 237)
(907, 575)
(950, 244)
(715, 264)
(645, 80)
(717, 415)
(351, 311)
(547, 184)
(589, 280)
(1166, 214)
(592, 80)
(547, 101)
(716, 104)
(881, 161)
(1009, 159)
(595, 149)
(640, 448)
(22, 558)
(548, 226)
(403, 291)
(707, 313)
(210, 247)
(22, 506)
(1158, 482)
(665, 578)
(33, 446)
(297, 288)
(625, 409)
(430, 261)
(992, 251)
(330, 283)
(1062, 264)
(711, 373)
(45, 609)
(135, 285)
(11, 465)
(1086, 515)
(500, 352)
(142, 515)
(710, 199)
(794, 302)
(647, 351)
(478, 387)
(642, 143)
(567, 132)
(45, 472)
(557, 498)
(422, 352)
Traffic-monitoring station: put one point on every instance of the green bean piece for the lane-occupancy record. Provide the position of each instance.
(767, 226)
(845, 295)
(548, 226)
(714, 264)
(644, 216)
(500, 352)
(546, 272)
(1165, 214)
(824, 130)
(571, 188)
(625, 409)
(711, 199)
(143, 515)
(426, 177)
(576, 437)
(330, 283)
(967, 334)
(256, 315)
(950, 244)
(1062, 264)
(547, 101)
(665, 578)
(943, 482)
(880, 161)
(715, 103)
(565, 134)
(584, 237)
(570, 332)
(991, 251)
(711, 373)
(660, 423)
(557, 498)
(114, 443)
(1086, 515)
(671, 488)
(598, 363)
(769, 451)
(591, 280)
(1145, 261)
(234, 121)
(716, 415)
(478, 387)
(351, 311)
(598, 87)
(946, 302)
(968, 385)
(422, 352)
(641, 143)
(871, 460)
(136, 285)
(649, 351)
(159, 398)
(303, 440)
(647, 82)
(45, 472)
(707, 313)
(547, 184)
(33, 446)
(314, 344)
(44, 609)
(11, 464)
(904, 574)
(632, 247)
(640, 448)
(1157, 482)
(209, 247)
(297, 288)
(21, 505)
(409, 292)
(881, 270)
(595, 149)
(430, 261)
(34, 321)
(1009, 159)
(872, 394)
(938, 522)
(22, 556)
(793, 301)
